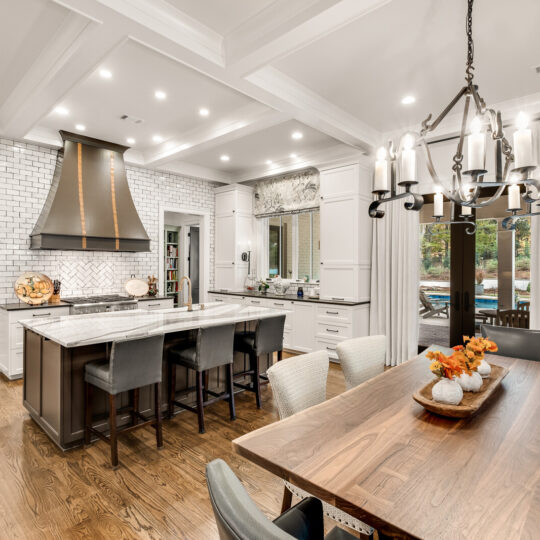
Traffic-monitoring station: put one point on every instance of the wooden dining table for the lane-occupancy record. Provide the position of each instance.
(378, 455)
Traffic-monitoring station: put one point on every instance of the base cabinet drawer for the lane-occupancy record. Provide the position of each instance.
(151, 305)
(328, 345)
(334, 314)
(329, 330)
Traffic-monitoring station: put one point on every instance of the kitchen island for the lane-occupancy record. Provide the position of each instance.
(56, 350)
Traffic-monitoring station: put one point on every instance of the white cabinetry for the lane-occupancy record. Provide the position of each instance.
(345, 233)
(233, 234)
(311, 326)
(12, 335)
(151, 304)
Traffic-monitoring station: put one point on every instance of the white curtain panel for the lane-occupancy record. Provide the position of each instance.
(395, 281)
(535, 272)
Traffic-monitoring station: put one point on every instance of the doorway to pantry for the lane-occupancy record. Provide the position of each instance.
(184, 251)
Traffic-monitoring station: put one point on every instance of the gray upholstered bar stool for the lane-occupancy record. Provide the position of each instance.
(266, 339)
(132, 364)
(213, 348)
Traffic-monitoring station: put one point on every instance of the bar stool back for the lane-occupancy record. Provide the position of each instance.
(132, 364)
(267, 339)
(213, 348)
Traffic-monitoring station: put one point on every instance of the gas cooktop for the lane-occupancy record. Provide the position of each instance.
(106, 298)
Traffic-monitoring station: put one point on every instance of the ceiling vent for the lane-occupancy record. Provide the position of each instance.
(132, 119)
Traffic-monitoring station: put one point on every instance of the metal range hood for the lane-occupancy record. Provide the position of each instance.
(89, 206)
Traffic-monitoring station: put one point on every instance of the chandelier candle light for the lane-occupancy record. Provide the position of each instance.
(513, 165)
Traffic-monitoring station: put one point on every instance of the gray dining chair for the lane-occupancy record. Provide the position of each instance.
(239, 518)
(514, 342)
(132, 364)
(361, 358)
(213, 348)
(298, 383)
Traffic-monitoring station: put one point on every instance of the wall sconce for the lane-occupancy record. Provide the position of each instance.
(246, 256)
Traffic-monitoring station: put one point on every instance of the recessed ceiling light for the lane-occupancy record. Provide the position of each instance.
(225, 157)
(160, 94)
(80, 127)
(297, 135)
(130, 140)
(269, 162)
(157, 138)
(105, 74)
(204, 112)
(408, 100)
(293, 156)
(61, 110)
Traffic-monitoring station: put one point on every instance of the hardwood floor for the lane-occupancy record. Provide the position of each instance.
(45, 493)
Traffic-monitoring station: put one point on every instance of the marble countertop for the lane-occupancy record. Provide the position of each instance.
(80, 330)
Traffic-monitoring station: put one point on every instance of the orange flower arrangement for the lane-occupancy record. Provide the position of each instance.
(445, 366)
(472, 353)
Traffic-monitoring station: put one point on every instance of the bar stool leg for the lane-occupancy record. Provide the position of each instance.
(256, 380)
(230, 389)
(205, 391)
(88, 411)
(157, 407)
(112, 429)
(172, 388)
(200, 405)
(279, 356)
(134, 416)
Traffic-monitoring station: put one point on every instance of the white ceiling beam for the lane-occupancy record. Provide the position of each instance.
(285, 26)
(311, 109)
(175, 25)
(30, 99)
(240, 123)
(181, 168)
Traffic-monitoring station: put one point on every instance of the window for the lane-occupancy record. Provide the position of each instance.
(294, 246)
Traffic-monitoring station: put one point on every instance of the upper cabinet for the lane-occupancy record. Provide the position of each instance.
(345, 233)
(233, 235)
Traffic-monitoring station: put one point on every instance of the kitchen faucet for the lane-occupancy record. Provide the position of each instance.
(189, 303)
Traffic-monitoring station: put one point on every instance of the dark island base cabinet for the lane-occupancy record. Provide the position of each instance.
(54, 386)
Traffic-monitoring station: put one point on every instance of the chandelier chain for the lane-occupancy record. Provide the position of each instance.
(470, 44)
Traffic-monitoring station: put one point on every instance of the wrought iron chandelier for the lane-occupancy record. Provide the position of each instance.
(513, 165)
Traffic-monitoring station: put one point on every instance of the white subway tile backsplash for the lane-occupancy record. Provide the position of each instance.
(26, 173)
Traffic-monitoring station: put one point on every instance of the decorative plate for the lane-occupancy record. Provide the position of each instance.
(136, 287)
(33, 288)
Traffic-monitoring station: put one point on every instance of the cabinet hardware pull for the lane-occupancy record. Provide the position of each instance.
(332, 312)
(330, 330)
(41, 314)
(337, 298)
(255, 301)
(330, 349)
(152, 305)
(278, 304)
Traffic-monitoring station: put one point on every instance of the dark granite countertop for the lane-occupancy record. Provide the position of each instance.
(15, 306)
(289, 297)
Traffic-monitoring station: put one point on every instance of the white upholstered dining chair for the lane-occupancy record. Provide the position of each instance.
(362, 358)
(298, 383)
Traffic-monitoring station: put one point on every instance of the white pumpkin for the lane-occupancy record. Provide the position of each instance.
(470, 383)
(447, 391)
(484, 369)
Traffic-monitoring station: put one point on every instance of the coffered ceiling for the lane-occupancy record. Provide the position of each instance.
(333, 70)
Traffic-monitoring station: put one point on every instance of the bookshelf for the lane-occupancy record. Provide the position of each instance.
(172, 267)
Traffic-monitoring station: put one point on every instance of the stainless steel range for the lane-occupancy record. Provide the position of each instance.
(98, 304)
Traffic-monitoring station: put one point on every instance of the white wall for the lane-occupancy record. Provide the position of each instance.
(26, 173)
